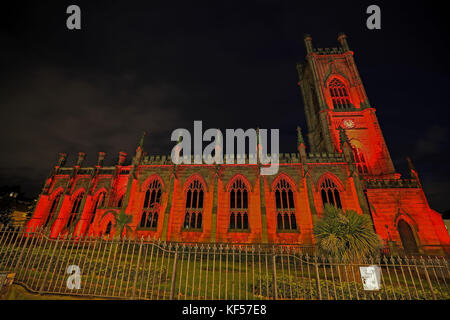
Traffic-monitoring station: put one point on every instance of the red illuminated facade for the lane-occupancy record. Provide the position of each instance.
(347, 164)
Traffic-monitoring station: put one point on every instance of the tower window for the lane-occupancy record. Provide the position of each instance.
(330, 193)
(238, 206)
(285, 207)
(194, 206)
(360, 161)
(75, 209)
(149, 218)
(339, 95)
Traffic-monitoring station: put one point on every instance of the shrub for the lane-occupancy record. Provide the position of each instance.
(346, 235)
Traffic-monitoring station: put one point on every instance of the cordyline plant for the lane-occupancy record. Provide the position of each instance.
(121, 222)
(346, 235)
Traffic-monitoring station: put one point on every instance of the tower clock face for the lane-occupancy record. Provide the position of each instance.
(348, 123)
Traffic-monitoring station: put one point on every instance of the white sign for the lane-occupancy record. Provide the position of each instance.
(371, 277)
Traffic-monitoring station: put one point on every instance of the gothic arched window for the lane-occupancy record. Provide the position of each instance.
(75, 209)
(238, 206)
(53, 207)
(360, 161)
(99, 202)
(285, 207)
(152, 201)
(330, 193)
(108, 228)
(120, 201)
(339, 95)
(194, 205)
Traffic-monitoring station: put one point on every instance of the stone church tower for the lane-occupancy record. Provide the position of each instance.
(334, 98)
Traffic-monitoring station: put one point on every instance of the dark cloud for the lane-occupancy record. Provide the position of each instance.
(52, 111)
(434, 141)
(151, 66)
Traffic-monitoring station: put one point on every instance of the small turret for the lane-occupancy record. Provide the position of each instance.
(141, 142)
(342, 38)
(139, 150)
(300, 140)
(301, 144)
(101, 158)
(122, 157)
(62, 157)
(412, 170)
(81, 157)
(308, 43)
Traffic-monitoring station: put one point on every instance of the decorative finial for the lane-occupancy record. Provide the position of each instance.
(412, 169)
(101, 158)
(81, 157)
(342, 38)
(62, 157)
(122, 157)
(410, 164)
(300, 140)
(343, 136)
(308, 43)
(141, 142)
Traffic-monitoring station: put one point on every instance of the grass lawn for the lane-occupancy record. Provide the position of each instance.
(17, 292)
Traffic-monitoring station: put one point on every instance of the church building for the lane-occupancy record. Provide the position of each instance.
(347, 164)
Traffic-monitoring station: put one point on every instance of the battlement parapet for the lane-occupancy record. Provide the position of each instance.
(327, 51)
(319, 157)
(157, 160)
(106, 171)
(245, 158)
(91, 170)
(391, 183)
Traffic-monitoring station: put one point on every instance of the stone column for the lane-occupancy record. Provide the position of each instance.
(214, 209)
(312, 206)
(263, 210)
(168, 208)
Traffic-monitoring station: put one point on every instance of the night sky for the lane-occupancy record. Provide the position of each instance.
(151, 66)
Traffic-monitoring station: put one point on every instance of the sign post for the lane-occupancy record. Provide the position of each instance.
(371, 277)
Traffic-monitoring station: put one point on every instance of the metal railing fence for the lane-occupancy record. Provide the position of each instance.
(150, 269)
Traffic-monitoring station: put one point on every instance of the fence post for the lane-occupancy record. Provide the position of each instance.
(316, 265)
(274, 275)
(174, 273)
(428, 278)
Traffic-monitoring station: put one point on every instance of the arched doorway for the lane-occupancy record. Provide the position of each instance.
(407, 237)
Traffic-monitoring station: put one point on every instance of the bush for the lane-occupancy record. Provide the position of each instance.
(307, 289)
